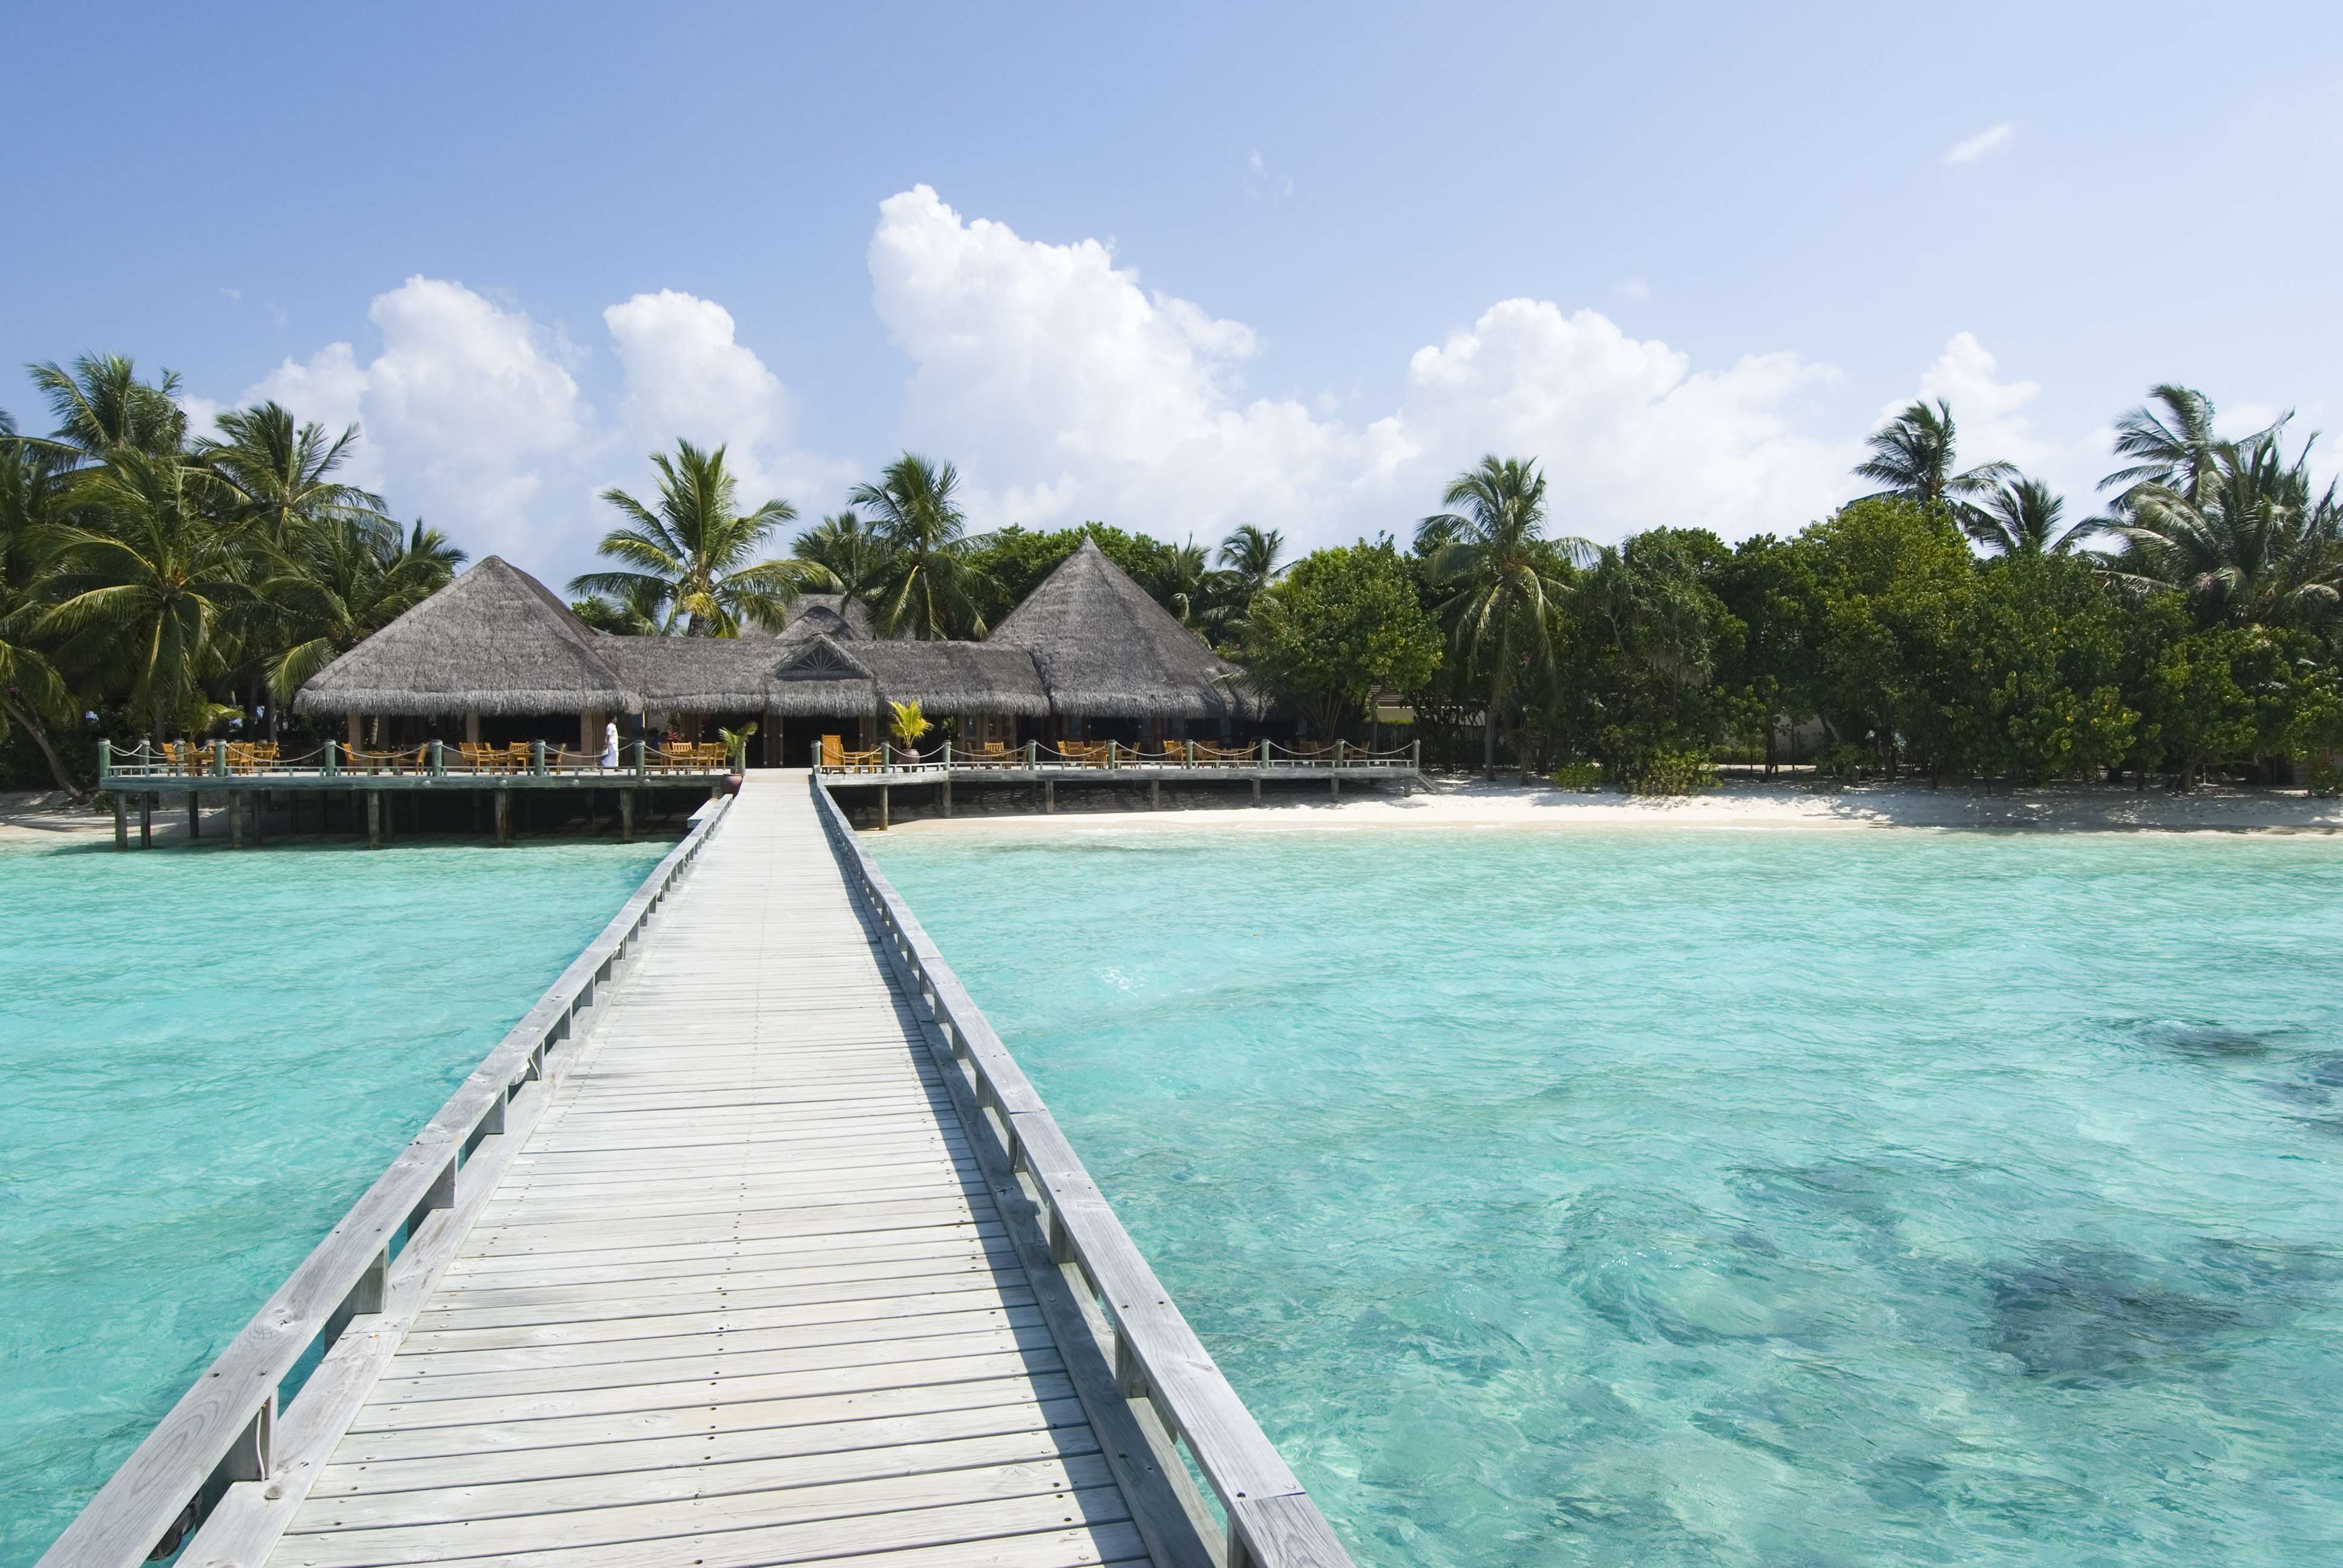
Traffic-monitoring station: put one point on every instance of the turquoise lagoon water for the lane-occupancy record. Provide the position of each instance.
(1718, 1197)
(205, 1056)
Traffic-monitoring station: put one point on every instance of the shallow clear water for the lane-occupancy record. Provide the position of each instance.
(1674, 1197)
(205, 1056)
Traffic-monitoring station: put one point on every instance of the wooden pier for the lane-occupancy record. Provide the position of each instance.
(748, 1245)
(1037, 773)
(375, 788)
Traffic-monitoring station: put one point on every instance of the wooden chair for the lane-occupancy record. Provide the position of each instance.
(861, 761)
(833, 751)
(1224, 755)
(1083, 753)
(984, 754)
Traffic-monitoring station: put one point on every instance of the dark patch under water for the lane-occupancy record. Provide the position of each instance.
(2210, 1041)
(2096, 1315)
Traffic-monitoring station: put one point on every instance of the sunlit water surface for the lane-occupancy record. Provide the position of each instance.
(1717, 1197)
(206, 1055)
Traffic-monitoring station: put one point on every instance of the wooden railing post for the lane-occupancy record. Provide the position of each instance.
(1114, 758)
(886, 757)
(438, 761)
(537, 758)
(104, 760)
(332, 761)
(219, 759)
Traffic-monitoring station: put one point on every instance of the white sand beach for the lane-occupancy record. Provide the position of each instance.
(1456, 803)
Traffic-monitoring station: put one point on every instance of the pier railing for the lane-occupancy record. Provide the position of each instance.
(228, 762)
(1157, 1360)
(1114, 756)
(228, 1460)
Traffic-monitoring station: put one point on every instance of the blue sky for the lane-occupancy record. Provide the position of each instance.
(1185, 270)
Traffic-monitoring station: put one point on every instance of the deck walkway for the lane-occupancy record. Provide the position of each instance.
(742, 1296)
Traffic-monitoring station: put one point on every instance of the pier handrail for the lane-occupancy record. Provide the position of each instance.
(1272, 1521)
(222, 1429)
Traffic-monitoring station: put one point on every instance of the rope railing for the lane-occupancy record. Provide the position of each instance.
(1112, 755)
(234, 760)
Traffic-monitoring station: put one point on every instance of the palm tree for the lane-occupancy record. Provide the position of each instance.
(282, 476)
(2170, 441)
(101, 407)
(344, 581)
(32, 504)
(2256, 546)
(1252, 555)
(2022, 519)
(1493, 554)
(1912, 456)
(853, 550)
(1183, 582)
(640, 612)
(150, 596)
(697, 550)
(929, 587)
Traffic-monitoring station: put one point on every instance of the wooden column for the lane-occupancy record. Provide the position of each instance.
(1155, 794)
(121, 820)
(146, 821)
(626, 816)
(882, 808)
(357, 734)
(474, 797)
(1049, 796)
(260, 816)
(504, 817)
(472, 727)
(1256, 788)
(947, 786)
(194, 808)
(374, 818)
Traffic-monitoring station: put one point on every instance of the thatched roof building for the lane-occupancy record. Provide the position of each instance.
(1090, 641)
(1104, 646)
(495, 641)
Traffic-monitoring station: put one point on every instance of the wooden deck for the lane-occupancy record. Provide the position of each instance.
(756, 1250)
(743, 1295)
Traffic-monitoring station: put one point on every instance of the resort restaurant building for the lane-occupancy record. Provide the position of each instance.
(497, 657)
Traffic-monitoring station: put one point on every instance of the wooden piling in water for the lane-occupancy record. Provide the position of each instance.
(626, 816)
(121, 822)
(146, 821)
(504, 817)
(374, 818)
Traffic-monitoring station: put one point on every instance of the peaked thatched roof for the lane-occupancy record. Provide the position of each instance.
(826, 614)
(1104, 647)
(496, 640)
(955, 677)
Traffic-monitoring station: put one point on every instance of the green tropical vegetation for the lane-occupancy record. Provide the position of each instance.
(154, 585)
(1954, 623)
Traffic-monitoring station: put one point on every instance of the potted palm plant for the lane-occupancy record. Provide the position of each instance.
(736, 753)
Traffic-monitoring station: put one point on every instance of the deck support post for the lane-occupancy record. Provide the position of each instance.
(1256, 788)
(947, 790)
(474, 796)
(236, 800)
(147, 821)
(882, 808)
(121, 821)
(503, 817)
(1049, 796)
(1155, 794)
(259, 817)
(626, 816)
(374, 818)
(194, 807)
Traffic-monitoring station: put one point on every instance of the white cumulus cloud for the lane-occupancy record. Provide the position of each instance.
(1066, 389)
(473, 418)
(1992, 139)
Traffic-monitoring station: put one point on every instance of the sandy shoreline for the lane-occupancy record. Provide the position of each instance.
(31, 820)
(1738, 805)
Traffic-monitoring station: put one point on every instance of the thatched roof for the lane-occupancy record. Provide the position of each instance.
(829, 676)
(496, 640)
(956, 677)
(699, 674)
(828, 614)
(1104, 647)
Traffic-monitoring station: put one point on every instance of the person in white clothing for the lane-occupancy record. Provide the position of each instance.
(610, 744)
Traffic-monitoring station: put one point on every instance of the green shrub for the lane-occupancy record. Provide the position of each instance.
(1580, 777)
(2326, 779)
(1842, 761)
(1662, 770)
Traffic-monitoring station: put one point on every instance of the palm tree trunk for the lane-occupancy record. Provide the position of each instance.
(1489, 724)
(31, 722)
